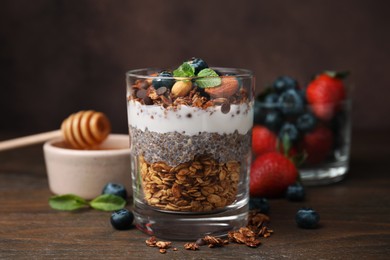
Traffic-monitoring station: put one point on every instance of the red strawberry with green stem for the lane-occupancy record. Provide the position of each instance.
(325, 93)
(271, 174)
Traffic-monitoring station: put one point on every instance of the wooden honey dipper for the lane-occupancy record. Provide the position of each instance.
(81, 130)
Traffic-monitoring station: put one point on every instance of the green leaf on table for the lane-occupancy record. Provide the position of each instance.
(208, 78)
(108, 202)
(185, 70)
(67, 202)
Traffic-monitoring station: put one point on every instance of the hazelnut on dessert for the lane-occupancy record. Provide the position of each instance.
(181, 88)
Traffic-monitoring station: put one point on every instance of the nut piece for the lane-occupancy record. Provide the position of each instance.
(181, 88)
(228, 87)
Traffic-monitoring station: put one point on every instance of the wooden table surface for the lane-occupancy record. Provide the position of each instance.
(355, 217)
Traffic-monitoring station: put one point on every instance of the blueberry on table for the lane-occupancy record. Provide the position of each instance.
(295, 192)
(306, 122)
(259, 203)
(163, 79)
(198, 64)
(291, 103)
(307, 218)
(115, 189)
(122, 219)
(290, 131)
(284, 83)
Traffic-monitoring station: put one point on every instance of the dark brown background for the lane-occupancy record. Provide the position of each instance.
(59, 57)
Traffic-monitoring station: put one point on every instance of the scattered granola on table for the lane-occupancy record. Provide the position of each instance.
(250, 236)
(162, 245)
(212, 241)
(191, 246)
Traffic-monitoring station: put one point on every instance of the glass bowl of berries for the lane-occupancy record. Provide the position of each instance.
(309, 123)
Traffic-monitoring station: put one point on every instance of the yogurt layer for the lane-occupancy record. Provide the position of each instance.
(190, 120)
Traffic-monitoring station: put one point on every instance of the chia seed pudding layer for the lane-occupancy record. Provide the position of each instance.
(174, 148)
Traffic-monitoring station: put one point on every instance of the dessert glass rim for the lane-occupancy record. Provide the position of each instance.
(238, 72)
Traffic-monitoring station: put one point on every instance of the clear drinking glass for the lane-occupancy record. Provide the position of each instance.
(190, 152)
(333, 166)
(319, 133)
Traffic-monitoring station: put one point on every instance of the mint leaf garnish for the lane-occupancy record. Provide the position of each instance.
(185, 70)
(108, 202)
(67, 202)
(208, 78)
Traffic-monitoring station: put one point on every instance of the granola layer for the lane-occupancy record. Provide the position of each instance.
(199, 185)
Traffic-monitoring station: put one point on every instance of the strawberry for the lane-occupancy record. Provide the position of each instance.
(271, 174)
(263, 140)
(317, 144)
(325, 93)
(335, 81)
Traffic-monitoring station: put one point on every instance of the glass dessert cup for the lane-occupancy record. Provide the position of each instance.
(190, 152)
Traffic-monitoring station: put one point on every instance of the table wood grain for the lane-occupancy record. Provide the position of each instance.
(355, 217)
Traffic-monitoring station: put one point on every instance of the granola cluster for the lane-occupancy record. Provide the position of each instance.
(200, 185)
(256, 228)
